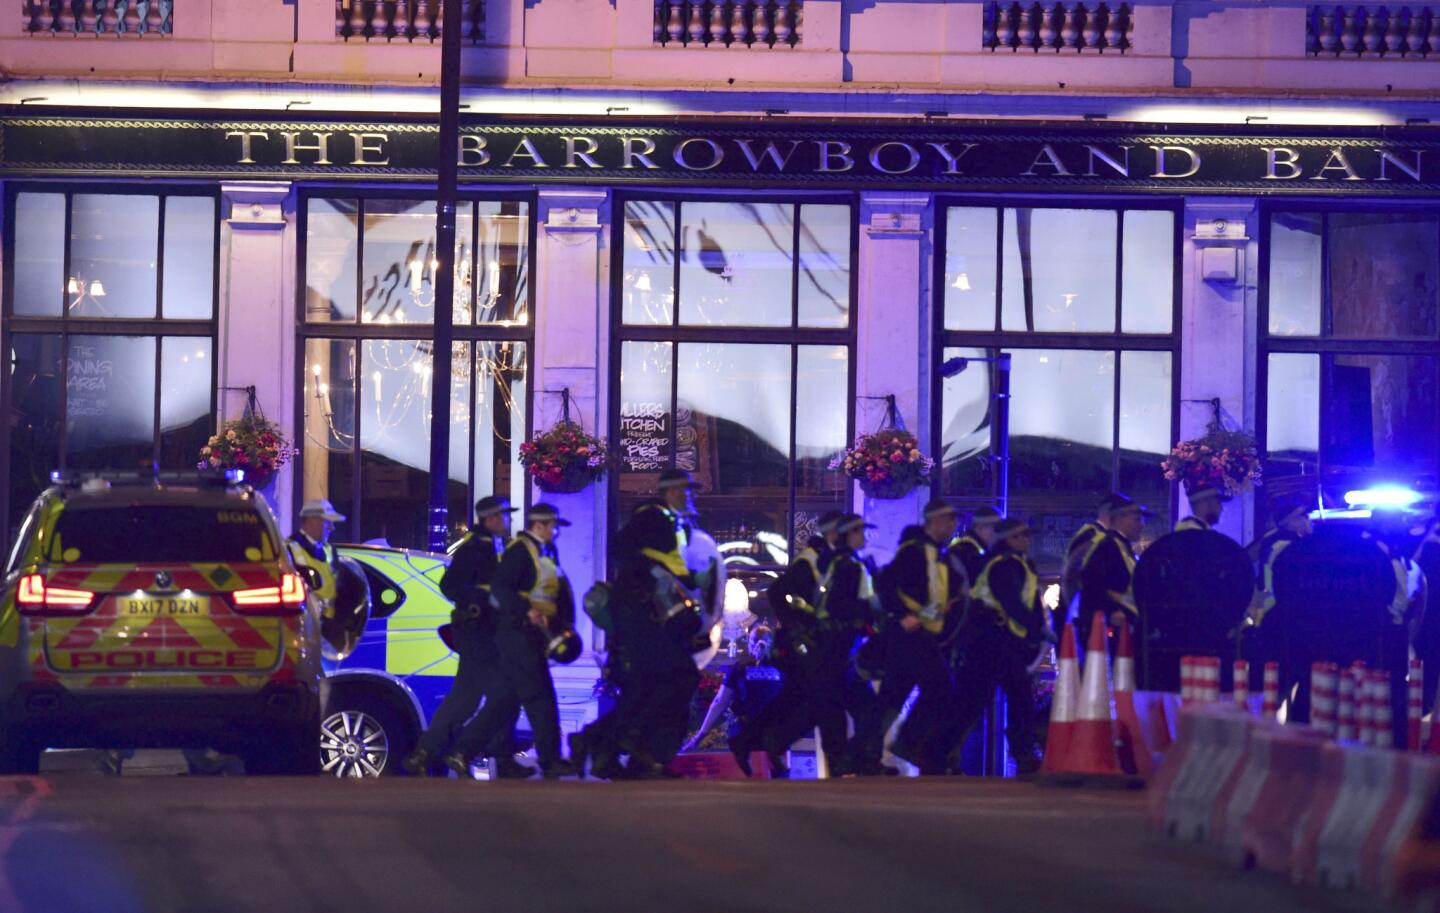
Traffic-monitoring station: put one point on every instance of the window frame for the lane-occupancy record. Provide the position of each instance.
(998, 340)
(158, 327)
(358, 331)
(1324, 345)
(794, 336)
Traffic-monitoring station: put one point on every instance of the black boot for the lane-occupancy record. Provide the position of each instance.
(417, 763)
(554, 770)
(507, 768)
(458, 765)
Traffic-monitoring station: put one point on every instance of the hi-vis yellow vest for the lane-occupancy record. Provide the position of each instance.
(867, 587)
(932, 613)
(545, 593)
(674, 560)
(1127, 597)
(324, 567)
(982, 593)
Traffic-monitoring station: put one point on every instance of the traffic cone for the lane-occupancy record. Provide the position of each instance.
(1134, 742)
(1090, 751)
(1063, 704)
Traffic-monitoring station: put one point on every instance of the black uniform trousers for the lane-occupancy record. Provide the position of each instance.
(995, 658)
(523, 682)
(912, 658)
(476, 676)
(826, 691)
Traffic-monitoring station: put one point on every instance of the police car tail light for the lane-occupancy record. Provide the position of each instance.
(35, 597)
(286, 599)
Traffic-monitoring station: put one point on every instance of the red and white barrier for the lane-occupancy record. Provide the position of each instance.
(1346, 730)
(1285, 797)
(1271, 706)
(1364, 706)
(1382, 712)
(1323, 686)
(1240, 684)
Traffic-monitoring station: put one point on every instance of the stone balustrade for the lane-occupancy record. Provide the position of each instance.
(1373, 31)
(404, 20)
(1097, 27)
(742, 23)
(96, 17)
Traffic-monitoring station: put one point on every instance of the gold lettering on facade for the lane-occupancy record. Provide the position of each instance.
(631, 155)
(321, 146)
(363, 148)
(1162, 162)
(911, 152)
(834, 156)
(1047, 157)
(952, 160)
(1119, 166)
(245, 137)
(1281, 157)
(770, 151)
(1390, 159)
(472, 151)
(1336, 162)
(586, 154)
(526, 149)
(717, 154)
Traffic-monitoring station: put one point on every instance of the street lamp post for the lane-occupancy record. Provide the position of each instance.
(446, 176)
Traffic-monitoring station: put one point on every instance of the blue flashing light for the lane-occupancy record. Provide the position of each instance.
(1357, 514)
(1382, 496)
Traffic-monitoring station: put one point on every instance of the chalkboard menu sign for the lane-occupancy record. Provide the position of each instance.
(644, 436)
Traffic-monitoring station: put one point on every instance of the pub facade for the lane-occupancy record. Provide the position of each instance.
(733, 279)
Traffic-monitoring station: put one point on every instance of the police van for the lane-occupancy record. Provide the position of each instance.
(157, 610)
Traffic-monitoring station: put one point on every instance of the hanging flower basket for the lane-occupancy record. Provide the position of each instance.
(887, 463)
(251, 443)
(564, 459)
(1228, 460)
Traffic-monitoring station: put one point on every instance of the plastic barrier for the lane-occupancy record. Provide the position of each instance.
(1214, 740)
(1284, 798)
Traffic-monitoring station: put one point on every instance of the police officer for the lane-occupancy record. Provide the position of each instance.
(1079, 546)
(1291, 524)
(656, 612)
(1107, 570)
(917, 591)
(969, 548)
(828, 687)
(525, 591)
(466, 583)
(1206, 505)
(1004, 631)
(310, 547)
(794, 595)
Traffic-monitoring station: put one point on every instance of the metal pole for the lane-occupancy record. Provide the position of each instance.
(1002, 432)
(441, 367)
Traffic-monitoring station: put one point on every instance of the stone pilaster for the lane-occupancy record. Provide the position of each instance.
(257, 312)
(893, 341)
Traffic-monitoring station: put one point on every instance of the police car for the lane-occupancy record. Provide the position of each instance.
(157, 611)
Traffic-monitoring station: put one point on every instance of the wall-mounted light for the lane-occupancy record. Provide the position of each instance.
(962, 282)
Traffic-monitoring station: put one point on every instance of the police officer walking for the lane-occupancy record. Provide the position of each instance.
(1107, 570)
(1206, 505)
(657, 614)
(828, 688)
(525, 591)
(1003, 633)
(466, 583)
(1085, 538)
(969, 548)
(917, 591)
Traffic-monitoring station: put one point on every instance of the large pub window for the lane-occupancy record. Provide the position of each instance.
(367, 300)
(1083, 298)
(1350, 349)
(732, 353)
(109, 331)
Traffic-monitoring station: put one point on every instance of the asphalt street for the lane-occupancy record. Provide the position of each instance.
(76, 841)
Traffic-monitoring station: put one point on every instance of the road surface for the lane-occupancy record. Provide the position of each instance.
(77, 841)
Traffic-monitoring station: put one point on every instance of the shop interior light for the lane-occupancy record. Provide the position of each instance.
(1382, 496)
(962, 282)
